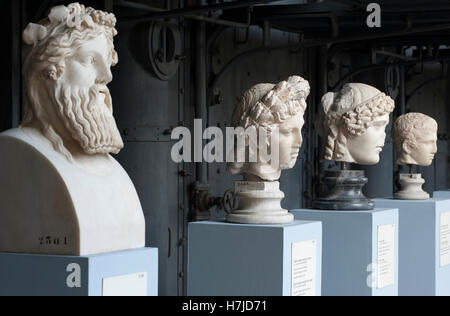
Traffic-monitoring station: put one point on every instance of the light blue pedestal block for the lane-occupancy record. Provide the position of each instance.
(441, 194)
(420, 271)
(250, 260)
(351, 264)
(43, 275)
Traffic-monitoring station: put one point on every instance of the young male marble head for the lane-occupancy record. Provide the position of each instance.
(271, 108)
(66, 73)
(415, 138)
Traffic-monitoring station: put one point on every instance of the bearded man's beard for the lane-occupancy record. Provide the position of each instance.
(89, 118)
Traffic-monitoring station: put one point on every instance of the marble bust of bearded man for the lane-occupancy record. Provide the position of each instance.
(60, 191)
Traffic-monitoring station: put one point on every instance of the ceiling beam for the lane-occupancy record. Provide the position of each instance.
(197, 10)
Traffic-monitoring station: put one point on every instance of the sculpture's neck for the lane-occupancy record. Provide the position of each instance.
(100, 164)
(260, 172)
(345, 158)
(404, 160)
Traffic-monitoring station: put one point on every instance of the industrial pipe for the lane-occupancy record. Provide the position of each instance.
(197, 10)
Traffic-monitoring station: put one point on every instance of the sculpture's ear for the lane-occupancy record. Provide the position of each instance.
(406, 147)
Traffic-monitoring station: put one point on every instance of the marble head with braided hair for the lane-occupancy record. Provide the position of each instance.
(354, 123)
(66, 70)
(271, 107)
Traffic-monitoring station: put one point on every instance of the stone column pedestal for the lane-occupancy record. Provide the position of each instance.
(259, 203)
(411, 187)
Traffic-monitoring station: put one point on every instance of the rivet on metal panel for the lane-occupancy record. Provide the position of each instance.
(168, 131)
(182, 242)
(184, 173)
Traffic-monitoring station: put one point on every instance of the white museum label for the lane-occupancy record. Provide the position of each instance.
(386, 256)
(304, 258)
(244, 186)
(444, 239)
(126, 285)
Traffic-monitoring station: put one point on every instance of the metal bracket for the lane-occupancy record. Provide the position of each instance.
(165, 49)
(204, 202)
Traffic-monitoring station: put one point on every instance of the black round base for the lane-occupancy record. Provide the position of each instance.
(344, 192)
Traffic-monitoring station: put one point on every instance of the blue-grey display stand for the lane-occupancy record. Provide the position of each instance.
(43, 275)
(350, 251)
(441, 194)
(247, 260)
(420, 273)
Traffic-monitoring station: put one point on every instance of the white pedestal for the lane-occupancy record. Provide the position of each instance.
(259, 203)
(411, 187)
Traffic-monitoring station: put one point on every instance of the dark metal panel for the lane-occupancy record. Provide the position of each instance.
(141, 100)
(145, 109)
(16, 62)
(441, 167)
(6, 66)
(155, 177)
(291, 185)
(432, 100)
(261, 67)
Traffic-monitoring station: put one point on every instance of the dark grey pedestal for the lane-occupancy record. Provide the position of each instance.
(344, 192)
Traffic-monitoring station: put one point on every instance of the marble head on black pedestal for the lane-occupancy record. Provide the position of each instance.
(354, 125)
(354, 130)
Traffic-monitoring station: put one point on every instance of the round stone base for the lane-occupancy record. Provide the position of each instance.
(411, 188)
(344, 192)
(259, 203)
(342, 205)
(262, 219)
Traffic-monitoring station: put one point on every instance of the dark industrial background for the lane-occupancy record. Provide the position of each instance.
(180, 60)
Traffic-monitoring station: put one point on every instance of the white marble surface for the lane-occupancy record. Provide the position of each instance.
(415, 139)
(271, 108)
(44, 195)
(259, 203)
(411, 188)
(61, 192)
(353, 123)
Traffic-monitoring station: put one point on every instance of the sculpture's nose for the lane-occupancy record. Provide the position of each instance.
(104, 74)
(298, 138)
(435, 149)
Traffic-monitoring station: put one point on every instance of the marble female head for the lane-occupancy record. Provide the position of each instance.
(354, 124)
